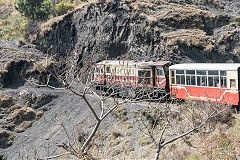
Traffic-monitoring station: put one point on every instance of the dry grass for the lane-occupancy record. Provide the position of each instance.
(6, 138)
(190, 37)
(23, 114)
(223, 144)
(24, 125)
(6, 101)
(47, 26)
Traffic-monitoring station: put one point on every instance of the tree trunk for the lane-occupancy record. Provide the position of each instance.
(157, 153)
(54, 8)
(90, 136)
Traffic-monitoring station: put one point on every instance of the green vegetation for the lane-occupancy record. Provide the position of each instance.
(194, 157)
(35, 10)
(237, 19)
(13, 28)
(64, 7)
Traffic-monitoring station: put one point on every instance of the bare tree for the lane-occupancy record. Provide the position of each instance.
(170, 123)
(82, 82)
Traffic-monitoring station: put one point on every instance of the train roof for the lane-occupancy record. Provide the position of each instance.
(206, 66)
(133, 63)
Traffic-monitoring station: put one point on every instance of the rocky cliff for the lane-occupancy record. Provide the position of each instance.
(185, 30)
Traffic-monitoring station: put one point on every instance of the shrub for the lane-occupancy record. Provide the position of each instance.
(35, 10)
(115, 134)
(237, 19)
(13, 28)
(222, 6)
(64, 7)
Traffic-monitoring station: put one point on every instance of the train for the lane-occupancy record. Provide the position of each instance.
(213, 82)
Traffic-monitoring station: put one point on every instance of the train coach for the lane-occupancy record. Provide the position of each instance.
(214, 82)
(149, 75)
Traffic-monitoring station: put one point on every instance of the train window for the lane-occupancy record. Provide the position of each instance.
(118, 71)
(223, 82)
(179, 71)
(108, 69)
(210, 81)
(190, 71)
(213, 81)
(201, 72)
(212, 72)
(223, 73)
(232, 83)
(143, 73)
(202, 80)
(159, 72)
(172, 77)
(102, 70)
(97, 70)
(127, 72)
(216, 82)
(144, 77)
(223, 79)
(180, 79)
(190, 80)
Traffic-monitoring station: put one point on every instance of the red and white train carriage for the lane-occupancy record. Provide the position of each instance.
(150, 75)
(215, 82)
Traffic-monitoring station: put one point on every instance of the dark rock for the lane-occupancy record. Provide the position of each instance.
(137, 30)
(21, 64)
(6, 139)
(1, 157)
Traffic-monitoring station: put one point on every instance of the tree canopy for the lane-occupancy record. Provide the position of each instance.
(34, 9)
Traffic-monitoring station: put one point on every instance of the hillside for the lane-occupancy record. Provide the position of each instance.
(143, 30)
(120, 136)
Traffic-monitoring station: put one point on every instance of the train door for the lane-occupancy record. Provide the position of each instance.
(160, 78)
(154, 76)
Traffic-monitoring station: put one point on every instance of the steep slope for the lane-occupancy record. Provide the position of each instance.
(120, 136)
(144, 30)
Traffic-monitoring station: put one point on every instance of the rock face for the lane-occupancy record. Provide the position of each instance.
(230, 8)
(185, 30)
(17, 65)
